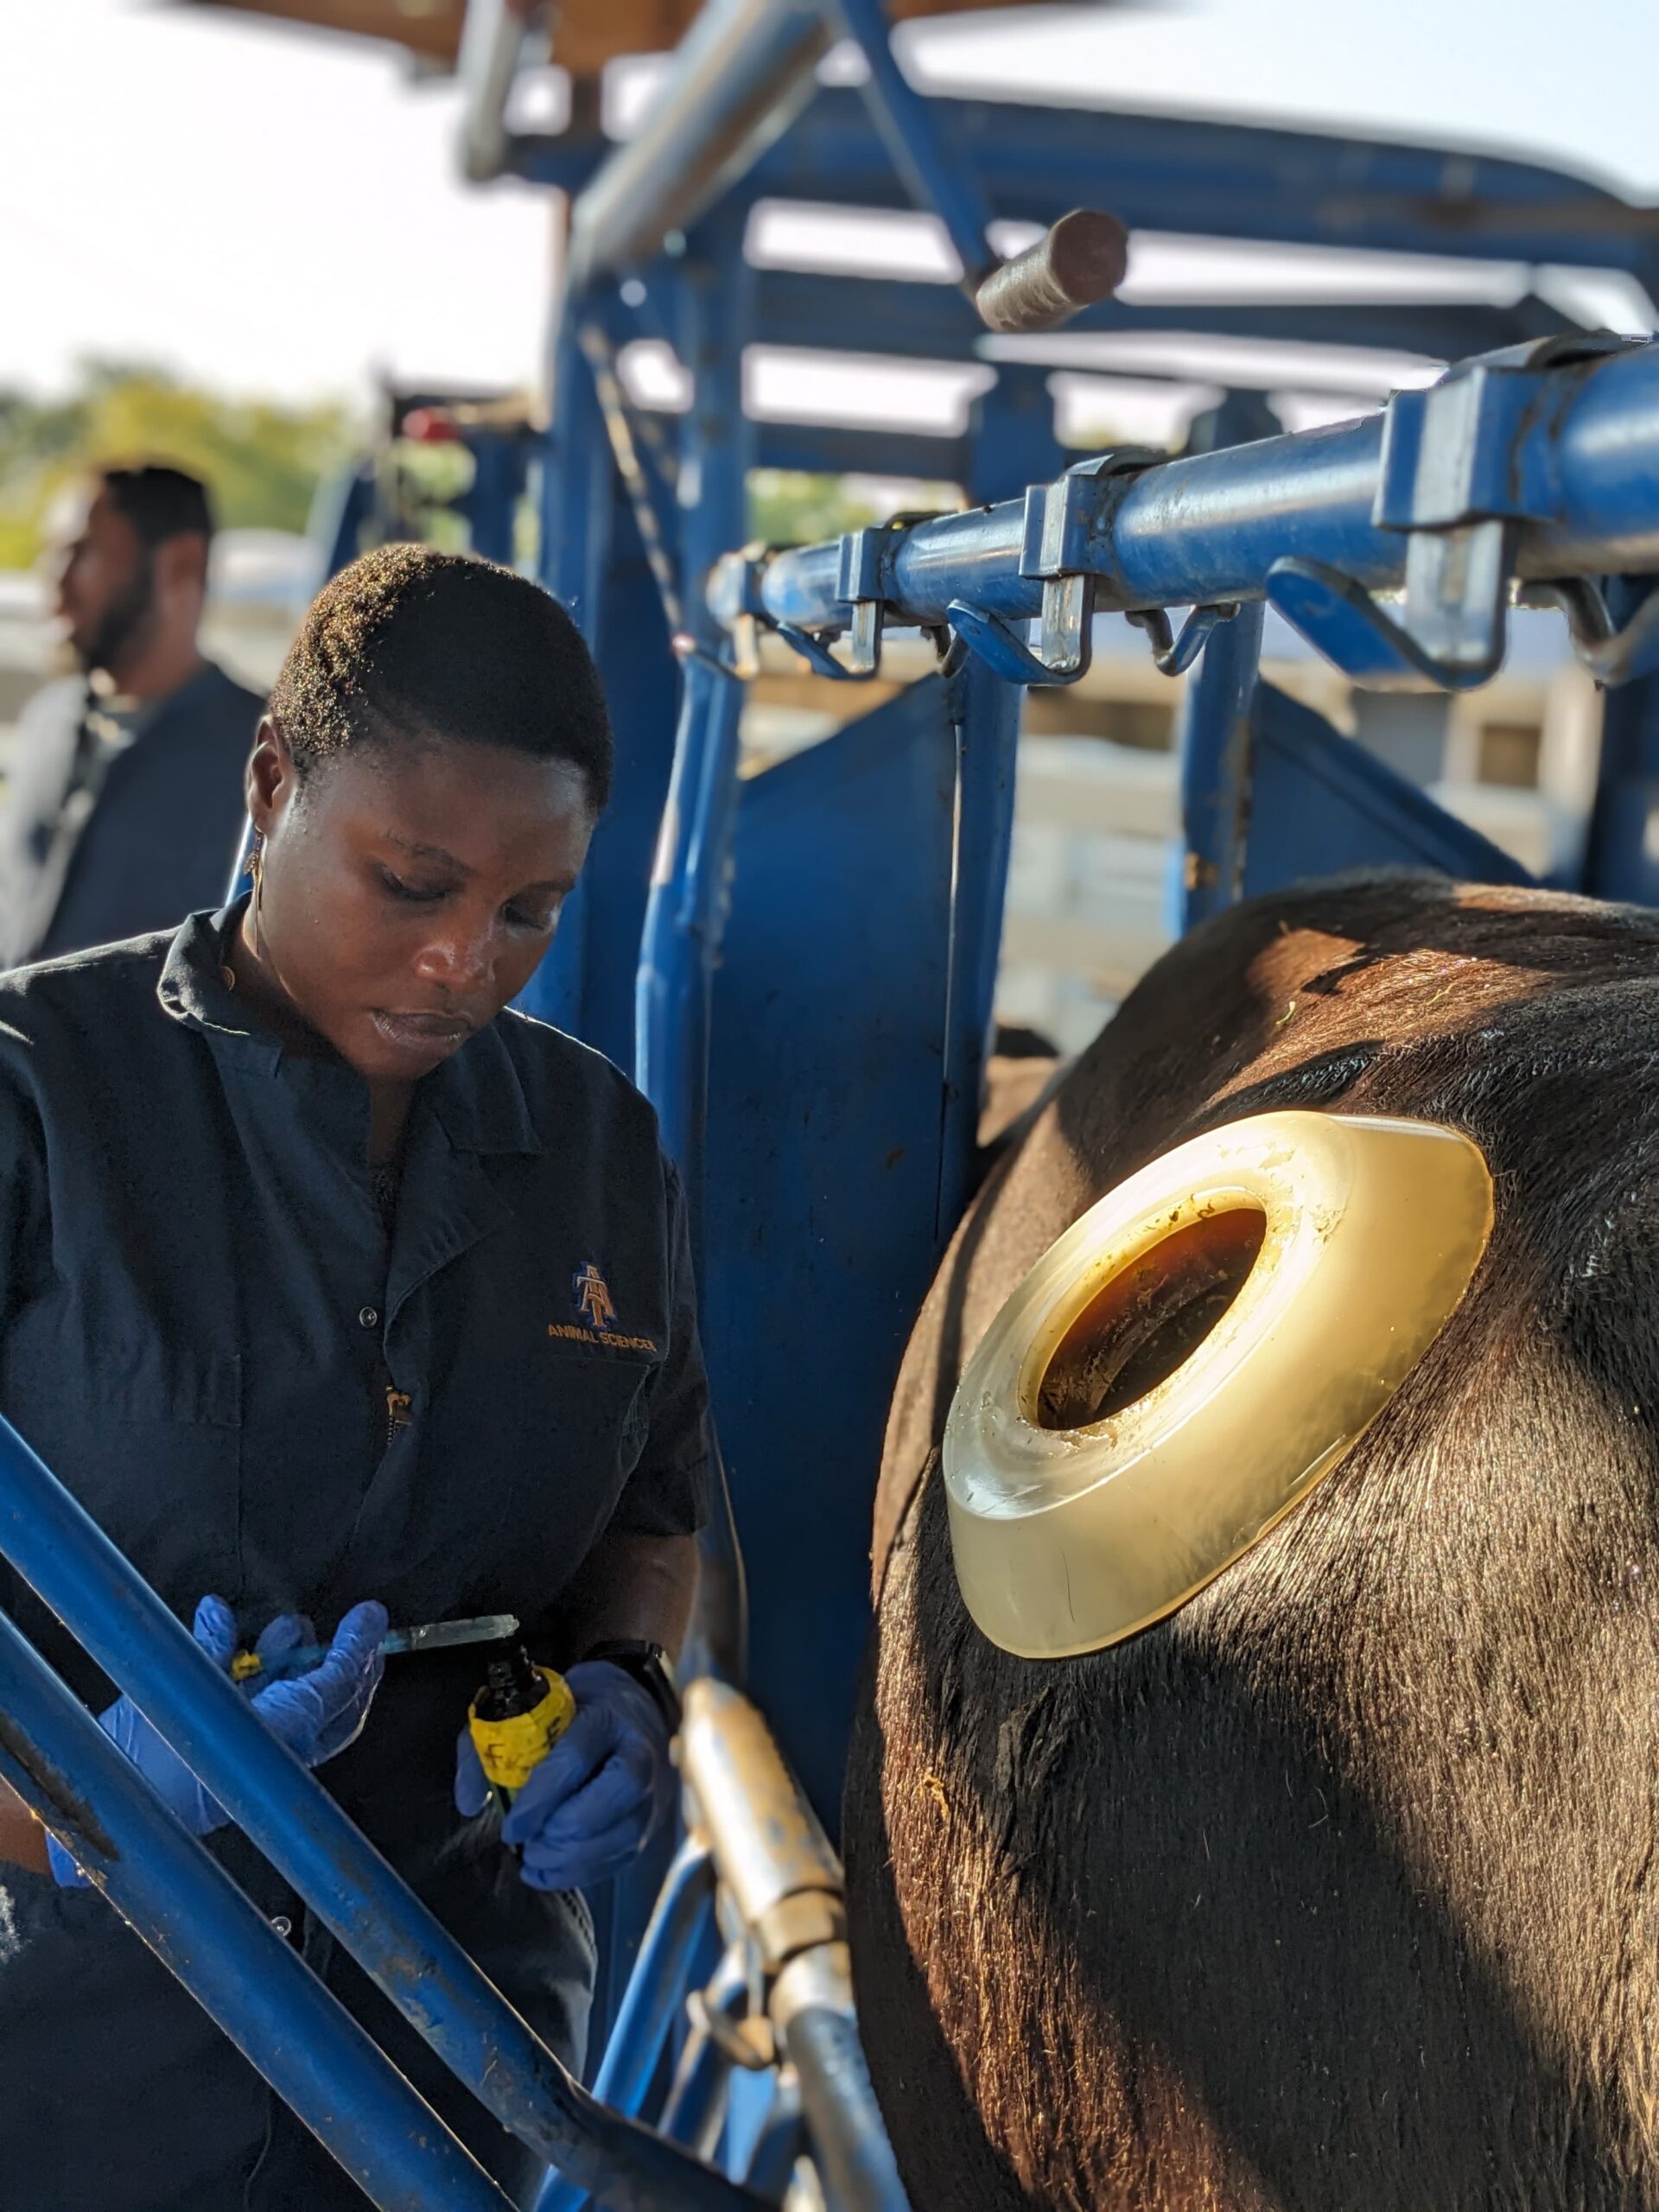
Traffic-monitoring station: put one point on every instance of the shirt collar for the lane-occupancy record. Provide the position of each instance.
(477, 1093)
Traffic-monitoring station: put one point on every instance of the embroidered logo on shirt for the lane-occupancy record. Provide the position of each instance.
(593, 1296)
(594, 1300)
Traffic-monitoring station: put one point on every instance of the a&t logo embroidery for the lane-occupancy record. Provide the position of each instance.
(598, 1311)
(593, 1300)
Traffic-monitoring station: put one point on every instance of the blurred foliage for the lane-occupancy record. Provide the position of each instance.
(260, 461)
(788, 507)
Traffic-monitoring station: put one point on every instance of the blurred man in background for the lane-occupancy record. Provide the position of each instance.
(125, 803)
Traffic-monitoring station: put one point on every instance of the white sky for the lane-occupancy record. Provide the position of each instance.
(279, 212)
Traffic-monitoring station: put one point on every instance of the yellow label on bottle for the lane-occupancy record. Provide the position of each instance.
(511, 1751)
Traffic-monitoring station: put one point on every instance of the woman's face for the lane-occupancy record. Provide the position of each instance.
(405, 896)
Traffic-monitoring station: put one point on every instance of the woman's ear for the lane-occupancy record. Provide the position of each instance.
(272, 780)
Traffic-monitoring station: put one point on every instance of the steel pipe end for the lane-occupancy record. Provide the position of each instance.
(1082, 259)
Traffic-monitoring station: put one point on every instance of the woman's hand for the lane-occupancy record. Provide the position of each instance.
(599, 1793)
(316, 1715)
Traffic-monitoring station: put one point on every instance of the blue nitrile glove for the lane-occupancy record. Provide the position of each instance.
(316, 1715)
(598, 1794)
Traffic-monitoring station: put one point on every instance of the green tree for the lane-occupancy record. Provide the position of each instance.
(260, 461)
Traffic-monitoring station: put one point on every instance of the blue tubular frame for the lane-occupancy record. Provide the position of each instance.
(1209, 528)
(288, 1815)
(227, 1956)
(656, 1993)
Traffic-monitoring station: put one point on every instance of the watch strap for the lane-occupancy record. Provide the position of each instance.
(651, 1667)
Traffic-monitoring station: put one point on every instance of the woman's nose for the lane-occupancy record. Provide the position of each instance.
(458, 960)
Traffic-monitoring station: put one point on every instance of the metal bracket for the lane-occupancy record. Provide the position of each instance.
(1064, 652)
(814, 650)
(1340, 619)
(1173, 656)
(1067, 535)
(1613, 654)
(1462, 465)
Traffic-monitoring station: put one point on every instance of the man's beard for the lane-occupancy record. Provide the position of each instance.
(124, 622)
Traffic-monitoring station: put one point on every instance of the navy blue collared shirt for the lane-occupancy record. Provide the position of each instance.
(210, 1337)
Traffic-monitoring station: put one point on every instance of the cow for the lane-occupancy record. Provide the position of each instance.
(1339, 1887)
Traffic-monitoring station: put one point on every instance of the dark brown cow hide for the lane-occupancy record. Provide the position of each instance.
(1337, 1890)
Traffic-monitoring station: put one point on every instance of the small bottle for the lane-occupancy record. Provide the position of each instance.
(516, 1719)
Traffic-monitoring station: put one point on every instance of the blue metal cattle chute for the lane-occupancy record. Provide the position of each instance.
(798, 965)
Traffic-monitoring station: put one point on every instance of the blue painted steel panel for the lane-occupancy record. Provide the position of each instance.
(825, 1157)
(1319, 803)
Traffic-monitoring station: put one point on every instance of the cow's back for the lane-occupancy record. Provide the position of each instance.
(1337, 1889)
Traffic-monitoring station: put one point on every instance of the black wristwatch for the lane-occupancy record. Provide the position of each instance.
(651, 1668)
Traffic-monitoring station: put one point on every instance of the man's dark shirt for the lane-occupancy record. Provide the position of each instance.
(165, 818)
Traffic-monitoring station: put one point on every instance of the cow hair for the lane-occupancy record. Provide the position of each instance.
(1335, 1890)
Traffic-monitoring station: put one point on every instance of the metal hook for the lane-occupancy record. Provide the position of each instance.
(1172, 656)
(1008, 656)
(817, 656)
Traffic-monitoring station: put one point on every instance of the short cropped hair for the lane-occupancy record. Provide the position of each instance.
(407, 645)
(159, 502)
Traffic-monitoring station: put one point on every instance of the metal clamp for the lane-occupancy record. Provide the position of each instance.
(1066, 547)
(1463, 464)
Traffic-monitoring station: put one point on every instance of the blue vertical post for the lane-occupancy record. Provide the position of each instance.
(491, 503)
(985, 712)
(1622, 856)
(1214, 735)
(576, 513)
(1012, 439)
(1214, 740)
(687, 910)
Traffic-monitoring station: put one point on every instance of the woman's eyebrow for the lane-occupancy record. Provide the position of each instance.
(429, 853)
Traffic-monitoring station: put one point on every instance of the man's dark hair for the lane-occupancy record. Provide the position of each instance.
(159, 502)
(408, 644)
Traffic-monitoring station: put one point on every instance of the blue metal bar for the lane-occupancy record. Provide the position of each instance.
(932, 322)
(937, 179)
(576, 509)
(685, 917)
(686, 913)
(202, 1929)
(693, 2114)
(1227, 180)
(632, 448)
(986, 715)
(656, 1994)
(1208, 528)
(288, 1817)
(781, 2141)
(741, 76)
(1158, 172)
(1214, 744)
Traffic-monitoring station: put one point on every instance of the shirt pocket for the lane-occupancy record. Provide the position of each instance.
(575, 1420)
(159, 1466)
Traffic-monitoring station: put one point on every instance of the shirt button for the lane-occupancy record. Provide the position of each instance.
(368, 1318)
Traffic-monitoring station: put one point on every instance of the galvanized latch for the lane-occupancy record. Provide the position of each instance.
(1463, 464)
(1066, 546)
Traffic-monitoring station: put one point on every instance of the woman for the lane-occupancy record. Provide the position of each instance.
(333, 1284)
